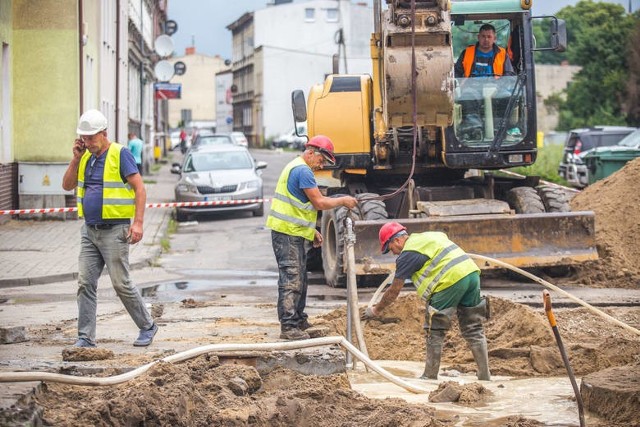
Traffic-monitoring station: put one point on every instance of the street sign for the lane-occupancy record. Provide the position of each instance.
(179, 68)
(170, 27)
(168, 90)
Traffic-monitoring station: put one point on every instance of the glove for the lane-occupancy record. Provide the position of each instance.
(368, 314)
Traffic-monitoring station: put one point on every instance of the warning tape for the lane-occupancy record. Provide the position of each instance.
(148, 205)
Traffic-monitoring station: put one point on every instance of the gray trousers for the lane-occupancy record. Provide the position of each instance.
(100, 248)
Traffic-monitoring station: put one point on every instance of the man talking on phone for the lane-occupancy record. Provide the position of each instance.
(110, 194)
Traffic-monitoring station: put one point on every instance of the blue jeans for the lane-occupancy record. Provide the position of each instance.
(291, 256)
(97, 249)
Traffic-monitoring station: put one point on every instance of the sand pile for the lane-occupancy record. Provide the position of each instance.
(521, 342)
(616, 203)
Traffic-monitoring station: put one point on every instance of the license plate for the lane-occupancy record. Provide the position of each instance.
(218, 198)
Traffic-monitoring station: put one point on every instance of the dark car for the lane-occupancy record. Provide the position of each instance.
(581, 142)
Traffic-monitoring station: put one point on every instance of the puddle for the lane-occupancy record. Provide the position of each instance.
(325, 297)
(548, 400)
(178, 290)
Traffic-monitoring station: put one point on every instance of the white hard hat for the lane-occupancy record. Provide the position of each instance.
(91, 122)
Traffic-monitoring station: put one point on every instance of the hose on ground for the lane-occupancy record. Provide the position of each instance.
(546, 284)
(212, 348)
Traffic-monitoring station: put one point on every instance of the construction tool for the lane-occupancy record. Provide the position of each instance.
(552, 321)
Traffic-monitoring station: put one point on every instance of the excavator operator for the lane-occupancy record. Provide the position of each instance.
(483, 59)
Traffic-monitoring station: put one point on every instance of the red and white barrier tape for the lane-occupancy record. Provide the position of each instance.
(148, 205)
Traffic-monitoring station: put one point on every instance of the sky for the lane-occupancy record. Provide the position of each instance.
(204, 22)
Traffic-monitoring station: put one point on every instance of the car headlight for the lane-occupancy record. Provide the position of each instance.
(249, 185)
(187, 188)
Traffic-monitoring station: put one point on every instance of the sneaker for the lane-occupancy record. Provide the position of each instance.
(84, 343)
(304, 325)
(146, 336)
(294, 334)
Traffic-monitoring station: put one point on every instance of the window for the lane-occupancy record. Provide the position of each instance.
(332, 15)
(246, 116)
(309, 14)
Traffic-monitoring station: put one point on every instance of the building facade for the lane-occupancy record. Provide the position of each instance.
(60, 58)
(198, 101)
(291, 46)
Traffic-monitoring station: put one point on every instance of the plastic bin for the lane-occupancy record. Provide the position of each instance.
(602, 163)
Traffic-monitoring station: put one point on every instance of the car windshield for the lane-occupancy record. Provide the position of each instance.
(213, 140)
(219, 160)
(631, 140)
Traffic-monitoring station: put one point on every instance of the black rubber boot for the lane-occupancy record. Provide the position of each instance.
(471, 319)
(434, 352)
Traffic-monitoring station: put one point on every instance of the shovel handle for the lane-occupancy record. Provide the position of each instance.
(546, 296)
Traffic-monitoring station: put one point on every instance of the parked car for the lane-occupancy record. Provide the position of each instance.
(206, 138)
(579, 143)
(291, 140)
(220, 172)
(239, 138)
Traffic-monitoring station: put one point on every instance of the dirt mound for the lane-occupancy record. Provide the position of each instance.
(201, 392)
(615, 201)
(521, 342)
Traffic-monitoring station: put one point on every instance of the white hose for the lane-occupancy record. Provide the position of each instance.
(385, 282)
(557, 289)
(189, 354)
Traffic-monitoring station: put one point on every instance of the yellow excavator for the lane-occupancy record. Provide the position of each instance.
(418, 144)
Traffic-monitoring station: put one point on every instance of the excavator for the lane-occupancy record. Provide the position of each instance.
(418, 144)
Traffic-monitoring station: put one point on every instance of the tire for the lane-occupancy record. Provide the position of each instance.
(332, 229)
(525, 200)
(259, 211)
(181, 217)
(553, 198)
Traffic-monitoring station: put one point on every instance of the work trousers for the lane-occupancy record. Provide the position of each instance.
(291, 257)
(97, 249)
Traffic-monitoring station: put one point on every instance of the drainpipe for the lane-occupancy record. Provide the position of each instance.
(81, 55)
(117, 121)
(142, 135)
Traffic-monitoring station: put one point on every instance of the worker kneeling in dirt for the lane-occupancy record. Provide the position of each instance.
(448, 280)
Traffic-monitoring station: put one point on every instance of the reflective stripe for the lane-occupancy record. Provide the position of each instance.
(296, 221)
(116, 185)
(446, 268)
(294, 202)
(432, 266)
(121, 202)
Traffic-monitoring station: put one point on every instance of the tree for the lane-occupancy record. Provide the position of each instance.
(598, 35)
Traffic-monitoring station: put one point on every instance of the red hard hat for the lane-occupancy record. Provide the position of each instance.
(389, 232)
(324, 145)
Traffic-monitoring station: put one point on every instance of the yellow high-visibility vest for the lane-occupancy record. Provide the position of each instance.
(118, 198)
(289, 215)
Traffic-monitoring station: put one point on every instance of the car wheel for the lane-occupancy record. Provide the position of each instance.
(259, 211)
(181, 216)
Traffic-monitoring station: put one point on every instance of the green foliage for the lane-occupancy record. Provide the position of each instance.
(546, 165)
(598, 40)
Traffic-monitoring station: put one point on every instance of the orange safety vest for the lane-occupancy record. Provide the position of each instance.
(470, 56)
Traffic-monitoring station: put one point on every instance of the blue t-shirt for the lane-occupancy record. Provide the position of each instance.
(408, 262)
(482, 66)
(93, 173)
(301, 177)
(135, 145)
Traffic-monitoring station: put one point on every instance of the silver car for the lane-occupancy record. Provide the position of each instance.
(218, 173)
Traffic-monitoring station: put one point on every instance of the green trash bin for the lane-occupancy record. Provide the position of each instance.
(603, 162)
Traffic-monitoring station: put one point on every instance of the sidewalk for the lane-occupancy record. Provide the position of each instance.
(34, 252)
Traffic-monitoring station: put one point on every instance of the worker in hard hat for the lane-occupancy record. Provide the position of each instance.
(110, 194)
(292, 221)
(448, 280)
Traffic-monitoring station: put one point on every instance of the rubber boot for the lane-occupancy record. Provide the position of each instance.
(434, 352)
(481, 356)
(471, 319)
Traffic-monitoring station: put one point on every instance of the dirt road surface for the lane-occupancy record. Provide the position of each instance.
(217, 285)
